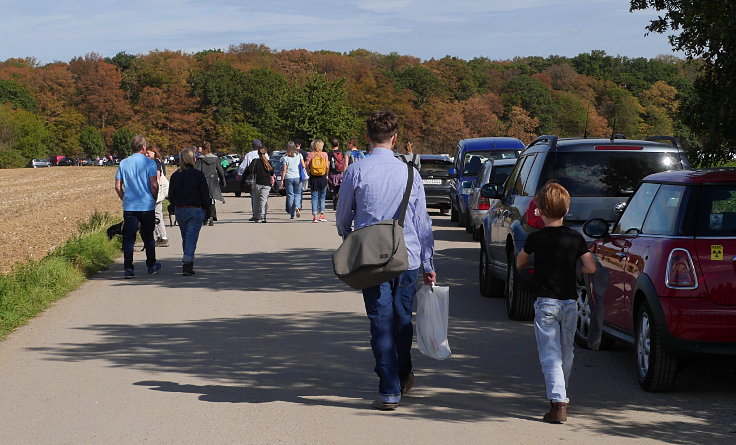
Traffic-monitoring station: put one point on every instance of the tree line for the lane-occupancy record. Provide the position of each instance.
(92, 106)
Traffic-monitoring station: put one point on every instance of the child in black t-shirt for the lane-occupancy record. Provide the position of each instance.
(556, 249)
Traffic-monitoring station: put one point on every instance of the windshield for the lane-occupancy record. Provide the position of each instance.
(474, 160)
(605, 173)
(717, 212)
(432, 167)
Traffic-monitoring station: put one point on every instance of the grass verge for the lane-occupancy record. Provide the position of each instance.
(33, 286)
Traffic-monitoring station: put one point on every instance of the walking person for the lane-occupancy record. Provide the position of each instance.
(249, 182)
(354, 155)
(557, 249)
(317, 166)
(410, 157)
(291, 180)
(190, 195)
(263, 171)
(209, 164)
(372, 190)
(159, 232)
(136, 183)
(337, 165)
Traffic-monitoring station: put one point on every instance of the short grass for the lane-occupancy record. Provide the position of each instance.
(34, 285)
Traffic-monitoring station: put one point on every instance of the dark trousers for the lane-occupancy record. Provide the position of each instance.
(388, 306)
(131, 221)
(213, 210)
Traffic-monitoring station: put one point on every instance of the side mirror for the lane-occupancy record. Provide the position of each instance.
(492, 191)
(452, 172)
(619, 208)
(596, 228)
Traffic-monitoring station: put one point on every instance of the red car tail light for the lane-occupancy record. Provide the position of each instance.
(532, 218)
(680, 273)
(484, 203)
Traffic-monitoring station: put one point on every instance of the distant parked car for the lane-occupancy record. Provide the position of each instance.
(671, 259)
(65, 162)
(38, 162)
(232, 185)
(494, 172)
(600, 175)
(436, 181)
(470, 156)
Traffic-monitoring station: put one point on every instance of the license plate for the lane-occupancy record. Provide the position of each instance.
(432, 181)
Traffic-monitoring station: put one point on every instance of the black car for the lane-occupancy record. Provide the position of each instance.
(65, 162)
(436, 181)
(232, 185)
(600, 174)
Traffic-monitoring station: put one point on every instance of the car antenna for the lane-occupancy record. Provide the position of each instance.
(613, 132)
(587, 115)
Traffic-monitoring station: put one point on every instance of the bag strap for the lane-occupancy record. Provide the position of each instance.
(407, 193)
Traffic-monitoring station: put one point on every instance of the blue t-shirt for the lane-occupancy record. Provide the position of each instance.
(135, 172)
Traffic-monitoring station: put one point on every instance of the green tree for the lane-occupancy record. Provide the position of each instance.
(220, 87)
(533, 96)
(264, 96)
(240, 135)
(571, 116)
(704, 29)
(121, 141)
(421, 81)
(66, 130)
(25, 132)
(92, 143)
(16, 94)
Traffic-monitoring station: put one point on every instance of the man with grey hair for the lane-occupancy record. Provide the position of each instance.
(136, 183)
(250, 157)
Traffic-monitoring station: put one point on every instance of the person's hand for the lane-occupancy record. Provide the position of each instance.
(429, 278)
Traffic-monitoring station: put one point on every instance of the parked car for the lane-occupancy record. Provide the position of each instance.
(600, 174)
(232, 185)
(469, 158)
(65, 162)
(436, 179)
(38, 162)
(671, 259)
(494, 172)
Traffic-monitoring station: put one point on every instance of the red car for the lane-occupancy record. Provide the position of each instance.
(671, 261)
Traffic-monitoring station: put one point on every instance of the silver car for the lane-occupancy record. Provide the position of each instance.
(38, 162)
(494, 172)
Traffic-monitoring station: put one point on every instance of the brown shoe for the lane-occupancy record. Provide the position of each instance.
(557, 413)
(408, 383)
(384, 406)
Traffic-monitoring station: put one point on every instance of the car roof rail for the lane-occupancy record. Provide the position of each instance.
(671, 139)
(618, 136)
(550, 139)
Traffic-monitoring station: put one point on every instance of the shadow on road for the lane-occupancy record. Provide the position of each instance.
(324, 358)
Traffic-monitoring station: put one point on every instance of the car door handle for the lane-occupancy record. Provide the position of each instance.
(622, 255)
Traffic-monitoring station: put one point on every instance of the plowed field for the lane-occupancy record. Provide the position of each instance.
(40, 208)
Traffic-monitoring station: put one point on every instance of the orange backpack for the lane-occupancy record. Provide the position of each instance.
(318, 166)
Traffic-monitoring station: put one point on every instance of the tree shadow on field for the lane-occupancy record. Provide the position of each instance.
(324, 358)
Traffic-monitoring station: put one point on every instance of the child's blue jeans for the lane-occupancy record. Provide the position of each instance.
(554, 327)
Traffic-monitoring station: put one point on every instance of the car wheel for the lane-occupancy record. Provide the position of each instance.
(519, 299)
(453, 214)
(469, 224)
(656, 367)
(238, 194)
(444, 211)
(460, 218)
(490, 285)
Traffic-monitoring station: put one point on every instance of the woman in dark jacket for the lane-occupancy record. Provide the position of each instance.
(210, 165)
(264, 181)
(189, 194)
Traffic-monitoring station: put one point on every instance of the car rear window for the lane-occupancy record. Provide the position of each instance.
(434, 167)
(474, 160)
(717, 212)
(605, 173)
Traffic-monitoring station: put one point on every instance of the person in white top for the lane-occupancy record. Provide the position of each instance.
(247, 159)
(291, 180)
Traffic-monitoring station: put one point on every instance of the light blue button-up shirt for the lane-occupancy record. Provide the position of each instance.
(372, 190)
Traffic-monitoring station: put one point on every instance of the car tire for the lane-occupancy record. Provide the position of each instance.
(469, 224)
(582, 326)
(444, 211)
(460, 219)
(490, 285)
(656, 367)
(453, 214)
(519, 298)
(476, 234)
(238, 194)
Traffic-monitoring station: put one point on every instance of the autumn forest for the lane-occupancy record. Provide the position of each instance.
(92, 106)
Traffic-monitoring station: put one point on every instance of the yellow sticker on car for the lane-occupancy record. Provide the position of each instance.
(716, 252)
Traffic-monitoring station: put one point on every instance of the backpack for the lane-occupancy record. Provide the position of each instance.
(318, 166)
(337, 162)
(355, 156)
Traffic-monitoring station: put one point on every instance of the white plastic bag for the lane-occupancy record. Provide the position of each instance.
(433, 307)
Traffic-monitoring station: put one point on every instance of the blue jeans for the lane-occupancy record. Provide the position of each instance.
(388, 306)
(293, 195)
(554, 327)
(131, 222)
(319, 196)
(190, 222)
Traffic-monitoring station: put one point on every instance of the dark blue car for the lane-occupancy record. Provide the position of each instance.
(470, 156)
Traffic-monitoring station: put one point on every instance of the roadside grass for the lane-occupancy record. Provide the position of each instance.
(32, 286)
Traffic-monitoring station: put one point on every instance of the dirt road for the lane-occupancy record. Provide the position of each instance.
(265, 346)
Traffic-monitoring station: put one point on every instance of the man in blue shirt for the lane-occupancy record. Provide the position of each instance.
(136, 183)
(372, 191)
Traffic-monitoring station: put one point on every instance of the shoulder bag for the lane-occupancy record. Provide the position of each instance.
(376, 253)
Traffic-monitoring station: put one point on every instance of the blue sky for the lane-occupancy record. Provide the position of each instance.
(497, 29)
